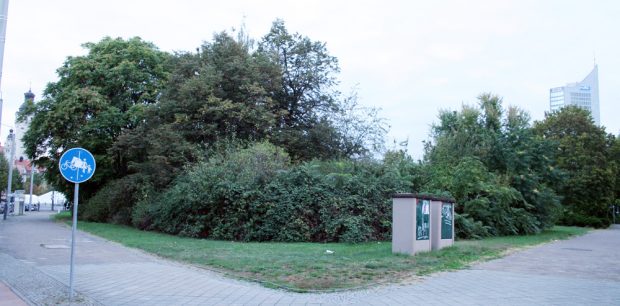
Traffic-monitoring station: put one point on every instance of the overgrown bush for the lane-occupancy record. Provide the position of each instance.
(328, 201)
(113, 202)
(466, 227)
(483, 197)
(256, 194)
(576, 219)
(209, 199)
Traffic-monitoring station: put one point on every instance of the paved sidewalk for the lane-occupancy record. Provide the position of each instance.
(8, 297)
(580, 271)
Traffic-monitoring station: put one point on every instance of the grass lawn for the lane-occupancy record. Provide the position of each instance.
(307, 266)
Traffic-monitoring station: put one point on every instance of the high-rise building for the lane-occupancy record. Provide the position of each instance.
(583, 94)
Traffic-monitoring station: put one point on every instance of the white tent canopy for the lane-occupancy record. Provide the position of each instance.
(59, 198)
(35, 199)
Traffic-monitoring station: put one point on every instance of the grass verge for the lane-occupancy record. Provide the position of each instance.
(307, 266)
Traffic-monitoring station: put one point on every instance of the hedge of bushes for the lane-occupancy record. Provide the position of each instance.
(256, 194)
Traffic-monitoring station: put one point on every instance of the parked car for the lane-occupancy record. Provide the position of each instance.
(33, 207)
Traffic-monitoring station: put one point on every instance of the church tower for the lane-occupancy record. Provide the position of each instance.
(22, 127)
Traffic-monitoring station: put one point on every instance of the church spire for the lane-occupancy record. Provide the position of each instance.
(28, 96)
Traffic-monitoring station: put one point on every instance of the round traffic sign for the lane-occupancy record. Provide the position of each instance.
(77, 165)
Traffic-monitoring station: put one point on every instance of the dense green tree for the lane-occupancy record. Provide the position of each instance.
(211, 95)
(226, 90)
(146, 115)
(528, 164)
(615, 157)
(16, 182)
(499, 172)
(305, 88)
(584, 153)
(38, 186)
(219, 92)
(98, 96)
(313, 120)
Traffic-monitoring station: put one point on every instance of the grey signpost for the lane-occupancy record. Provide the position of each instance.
(31, 181)
(11, 143)
(76, 165)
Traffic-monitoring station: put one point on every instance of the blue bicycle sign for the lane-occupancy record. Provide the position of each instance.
(77, 165)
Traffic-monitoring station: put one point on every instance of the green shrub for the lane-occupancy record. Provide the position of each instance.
(575, 219)
(466, 228)
(500, 208)
(212, 199)
(256, 194)
(113, 202)
(328, 201)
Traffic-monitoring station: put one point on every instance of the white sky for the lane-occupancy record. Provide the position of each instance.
(409, 58)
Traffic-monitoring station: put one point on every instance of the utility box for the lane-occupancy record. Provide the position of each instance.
(18, 199)
(411, 224)
(442, 223)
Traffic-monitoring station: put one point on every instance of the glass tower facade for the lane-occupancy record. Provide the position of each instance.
(583, 94)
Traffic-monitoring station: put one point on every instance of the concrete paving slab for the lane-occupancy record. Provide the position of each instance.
(9, 298)
(580, 271)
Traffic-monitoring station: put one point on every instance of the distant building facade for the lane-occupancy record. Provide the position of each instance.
(583, 94)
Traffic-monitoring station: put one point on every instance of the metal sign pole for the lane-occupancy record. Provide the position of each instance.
(11, 143)
(73, 229)
(31, 182)
(76, 165)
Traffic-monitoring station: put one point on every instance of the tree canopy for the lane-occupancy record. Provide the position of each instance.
(98, 96)
(240, 138)
(584, 152)
(147, 114)
(498, 170)
(4, 175)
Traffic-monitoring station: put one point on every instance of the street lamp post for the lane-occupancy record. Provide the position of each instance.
(10, 142)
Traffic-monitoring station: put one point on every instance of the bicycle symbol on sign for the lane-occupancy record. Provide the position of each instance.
(76, 164)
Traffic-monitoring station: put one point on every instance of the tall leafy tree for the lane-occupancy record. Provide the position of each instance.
(615, 157)
(98, 96)
(527, 161)
(494, 165)
(584, 153)
(146, 114)
(16, 182)
(220, 91)
(305, 89)
(214, 94)
(303, 93)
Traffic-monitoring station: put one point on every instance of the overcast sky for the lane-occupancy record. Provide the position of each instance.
(409, 58)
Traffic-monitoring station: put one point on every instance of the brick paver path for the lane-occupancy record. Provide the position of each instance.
(581, 271)
(8, 297)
